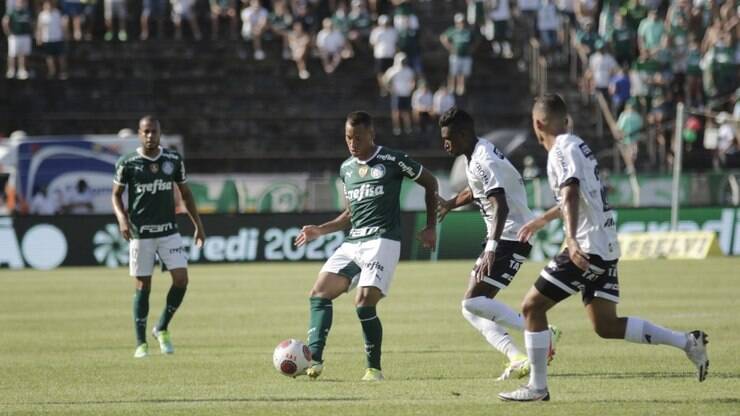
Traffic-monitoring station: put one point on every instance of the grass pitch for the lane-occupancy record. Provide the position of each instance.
(67, 339)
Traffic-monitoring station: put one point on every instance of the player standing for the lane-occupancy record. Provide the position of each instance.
(368, 257)
(589, 264)
(497, 188)
(149, 225)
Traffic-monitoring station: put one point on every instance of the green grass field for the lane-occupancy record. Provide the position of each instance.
(66, 345)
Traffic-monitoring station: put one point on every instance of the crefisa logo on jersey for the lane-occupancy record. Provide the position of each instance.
(377, 172)
(168, 168)
(154, 167)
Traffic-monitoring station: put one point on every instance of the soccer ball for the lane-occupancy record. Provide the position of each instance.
(291, 357)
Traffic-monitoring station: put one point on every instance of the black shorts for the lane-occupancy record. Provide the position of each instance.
(399, 103)
(509, 258)
(562, 278)
(382, 65)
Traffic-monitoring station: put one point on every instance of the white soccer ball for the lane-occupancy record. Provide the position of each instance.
(291, 357)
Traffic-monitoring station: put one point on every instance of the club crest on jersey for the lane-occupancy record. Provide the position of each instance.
(377, 171)
(363, 170)
(168, 168)
(154, 168)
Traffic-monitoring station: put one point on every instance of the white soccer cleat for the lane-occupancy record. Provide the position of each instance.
(314, 370)
(516, 369)
(696, 350)
(142, 351)
(525, 394)
(165, 341)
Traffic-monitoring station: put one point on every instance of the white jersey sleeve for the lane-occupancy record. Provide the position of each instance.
(570, 161)
(490, 173)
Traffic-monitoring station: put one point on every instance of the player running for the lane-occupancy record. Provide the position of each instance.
(589, 263)
(372, 179)
(496, 187)
(149, 225)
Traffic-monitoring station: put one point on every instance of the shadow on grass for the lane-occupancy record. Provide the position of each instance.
(216, 400)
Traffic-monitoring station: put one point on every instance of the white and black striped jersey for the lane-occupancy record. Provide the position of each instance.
(571, 161)
(490, 172)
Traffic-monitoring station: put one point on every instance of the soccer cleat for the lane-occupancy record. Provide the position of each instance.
(555, 334)
(518, 368)
(314, 370)
(373, 374)
(525, 394)
(696, 350)
(165, 342)
(142, 350)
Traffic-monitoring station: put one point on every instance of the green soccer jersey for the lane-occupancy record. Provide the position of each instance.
(372, 189)
(151, 198)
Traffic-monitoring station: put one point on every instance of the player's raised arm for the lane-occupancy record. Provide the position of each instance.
(311, 232)
(428, 235)
(120, 210)
(187, 197)
(444, 207)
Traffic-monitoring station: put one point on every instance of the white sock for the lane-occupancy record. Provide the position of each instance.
(537, 343)
(495, 311)
(495, 334)
(645, 332)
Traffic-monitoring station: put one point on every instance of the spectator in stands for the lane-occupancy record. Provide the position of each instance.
(650, 32)
(601, 67)
(154, 9)
(185, 10)
(300, 43)
(50, 37)
(694, 88)
(400, 80)
(528, 12)
(383, 39)
(633, 12)
(113, 9)
(476, 12)
(622, 40)
(18, 27)
(500, 15)
(586, 38)
(586, 11)
(360, 21)
(254, 22)
(281, 22)
(443, 101)
(567, 10)
(727, 136)
(331, 45)
(630, 125)
(79, 200)
(720, 69)
(302, 13)
(408, 42)
(548, 23)
(88, 20)
(404, 16)
(460, 42)
(619, 89)
(227, 10)
(340, 18)
(422, 106)
(43, 204)
(73, 12)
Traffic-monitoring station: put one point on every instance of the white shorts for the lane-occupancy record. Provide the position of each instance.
(142, 254)
(367, 263)
(19, 45)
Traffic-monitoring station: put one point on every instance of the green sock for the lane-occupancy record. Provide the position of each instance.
(319, 325)
(174, 299)
(141, 311)
(373, 331)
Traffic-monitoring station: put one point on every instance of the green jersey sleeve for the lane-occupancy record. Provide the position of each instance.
(409, 167)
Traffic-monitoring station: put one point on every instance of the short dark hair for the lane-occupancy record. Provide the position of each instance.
(150, 118)
(457, 118)
(552, 105)
(360, 118)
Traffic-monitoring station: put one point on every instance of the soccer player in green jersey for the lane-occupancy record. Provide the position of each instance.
(150, 227)
(372, 179)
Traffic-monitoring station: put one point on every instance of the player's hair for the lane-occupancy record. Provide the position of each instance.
(360, 118)
(457, 119)
(552, 105)
(150, 118)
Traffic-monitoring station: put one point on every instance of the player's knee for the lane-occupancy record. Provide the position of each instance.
(180, 281)
(607, 329)
(143, 284)
(529, 306)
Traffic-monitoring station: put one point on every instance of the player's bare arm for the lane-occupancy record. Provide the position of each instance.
(428, 236)
(120, 210)
(529, 229)
(444, 206)
(187, 196)
(311, 232)
(498, 200)
(570, 197)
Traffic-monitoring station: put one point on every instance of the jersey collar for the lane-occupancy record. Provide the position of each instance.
(371, 157)
(140, 151)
